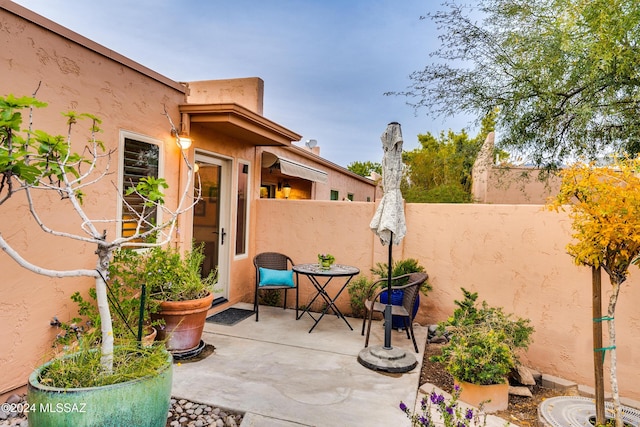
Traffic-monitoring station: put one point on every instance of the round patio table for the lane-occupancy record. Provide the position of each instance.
(315, 273)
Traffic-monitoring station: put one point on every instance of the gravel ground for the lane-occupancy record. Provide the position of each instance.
(183, 413)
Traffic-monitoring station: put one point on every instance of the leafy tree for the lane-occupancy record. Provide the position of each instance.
(365, 168)
(436, 171)
(563, 74)
(605, 210)
(33, 162)
(440, 171)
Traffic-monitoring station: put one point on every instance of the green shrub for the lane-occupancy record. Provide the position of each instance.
(358, 290)
(401, 267)
(484, 341)
(169, 276)
(270, 297)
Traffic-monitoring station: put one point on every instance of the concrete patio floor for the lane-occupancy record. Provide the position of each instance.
(280, 375)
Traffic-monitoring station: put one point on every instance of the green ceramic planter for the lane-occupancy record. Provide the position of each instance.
(143, 402)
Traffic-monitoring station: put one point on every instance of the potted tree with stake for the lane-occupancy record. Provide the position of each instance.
(34, 162)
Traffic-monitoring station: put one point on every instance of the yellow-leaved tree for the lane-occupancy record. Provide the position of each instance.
(604, 203)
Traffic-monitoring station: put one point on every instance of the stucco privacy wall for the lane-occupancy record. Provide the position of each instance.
(512, 255)
(73, 78)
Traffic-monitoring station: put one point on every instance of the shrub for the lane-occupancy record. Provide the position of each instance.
(401, 267)
(359, 291)
(484, 341)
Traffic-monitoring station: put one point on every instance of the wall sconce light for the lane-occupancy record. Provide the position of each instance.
(286, 189)
(182, 140)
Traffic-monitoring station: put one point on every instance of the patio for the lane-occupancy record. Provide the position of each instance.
(281, 375)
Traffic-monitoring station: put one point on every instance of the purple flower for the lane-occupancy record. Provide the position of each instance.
(403, 407)
(469, 414)
(456, 387)
(424, 420)
(449, 410)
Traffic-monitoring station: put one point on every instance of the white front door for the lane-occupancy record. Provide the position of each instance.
(211, 218)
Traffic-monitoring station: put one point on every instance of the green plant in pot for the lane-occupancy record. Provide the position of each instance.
(482, 350)
(39, 168)
(399, 268)
(179, 296)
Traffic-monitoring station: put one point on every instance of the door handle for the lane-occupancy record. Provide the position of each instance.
(222, 234)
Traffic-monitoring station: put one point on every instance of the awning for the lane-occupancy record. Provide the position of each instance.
(293, 168)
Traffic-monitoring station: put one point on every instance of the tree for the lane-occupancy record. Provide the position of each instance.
(563, 74)
(440, 171)
(605, 214)
(33, 162)
(365, 168)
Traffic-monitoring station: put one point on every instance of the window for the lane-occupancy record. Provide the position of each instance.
(334, 195)
(140, 159)
(242, 208)
(350, 196)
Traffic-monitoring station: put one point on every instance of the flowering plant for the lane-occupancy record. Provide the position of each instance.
(450, 413)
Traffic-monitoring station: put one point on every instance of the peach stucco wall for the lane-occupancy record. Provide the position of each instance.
(72, 78)
(512, 255)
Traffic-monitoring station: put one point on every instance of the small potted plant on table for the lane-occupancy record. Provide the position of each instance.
(325, 261)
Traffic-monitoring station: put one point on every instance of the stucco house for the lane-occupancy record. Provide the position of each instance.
(512, 254)
(241, 154)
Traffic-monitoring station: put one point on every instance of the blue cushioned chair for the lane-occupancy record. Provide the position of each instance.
(273, 271)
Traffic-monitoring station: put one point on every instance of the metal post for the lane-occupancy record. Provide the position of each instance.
(143, 296)
(387, 310)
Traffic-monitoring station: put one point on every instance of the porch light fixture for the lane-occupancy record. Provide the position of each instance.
(182, 139)
(286, 190)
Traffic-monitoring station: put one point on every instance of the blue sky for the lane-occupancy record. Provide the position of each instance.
(326, 64)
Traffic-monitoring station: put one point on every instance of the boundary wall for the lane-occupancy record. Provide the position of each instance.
(512, 255)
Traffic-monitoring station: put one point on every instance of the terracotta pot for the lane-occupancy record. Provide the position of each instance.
(474, 394)
(150, 336)
(183, 322)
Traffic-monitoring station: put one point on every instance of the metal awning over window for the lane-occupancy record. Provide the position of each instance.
(293, 168)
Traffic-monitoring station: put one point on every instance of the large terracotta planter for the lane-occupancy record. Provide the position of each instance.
(141, 402)
(183, 322)
(474, 394)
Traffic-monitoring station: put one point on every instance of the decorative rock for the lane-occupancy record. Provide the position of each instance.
(438, 339)
(523, 375)
(14, 398)
(520, 391)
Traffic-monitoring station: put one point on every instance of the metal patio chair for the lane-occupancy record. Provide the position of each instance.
(412, 281)
(277, 273)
